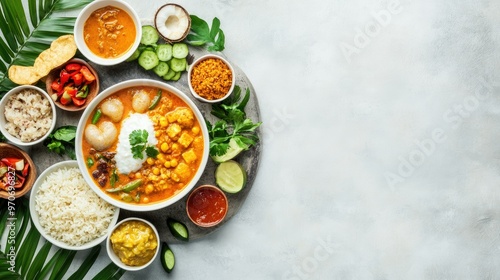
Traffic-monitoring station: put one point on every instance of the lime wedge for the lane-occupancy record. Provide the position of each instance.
(233, 150)
(230, 176)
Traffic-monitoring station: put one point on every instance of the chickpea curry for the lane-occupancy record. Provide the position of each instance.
(109, 32)
(142, 144)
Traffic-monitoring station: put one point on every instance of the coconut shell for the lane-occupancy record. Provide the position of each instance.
(186, 32)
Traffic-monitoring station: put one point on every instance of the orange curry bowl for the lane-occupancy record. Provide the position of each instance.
(18, 172)
(142, 145)
(107, 32)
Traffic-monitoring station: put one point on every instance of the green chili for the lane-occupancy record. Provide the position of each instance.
(155, 100)
(97, 116)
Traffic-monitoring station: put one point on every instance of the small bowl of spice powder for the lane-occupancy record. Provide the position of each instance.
(211, 78)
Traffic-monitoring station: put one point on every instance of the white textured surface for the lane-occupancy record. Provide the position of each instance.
(417, 102)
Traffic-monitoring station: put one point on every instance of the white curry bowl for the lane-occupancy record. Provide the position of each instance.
(79, 29)
(35, 217)
(88, 114)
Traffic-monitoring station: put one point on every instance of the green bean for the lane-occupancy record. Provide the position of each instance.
(97, 116)
(155, 100)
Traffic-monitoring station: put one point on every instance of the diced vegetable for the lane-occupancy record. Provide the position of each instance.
(164, 52)
(149, 35)
(180, 50)
(127, 187)
(159, 55)
(148, 60)
(167, 258)
(161, 69)
(155, 100)
(178, 64)
(97, 116)
(178, 229)
(230, 176)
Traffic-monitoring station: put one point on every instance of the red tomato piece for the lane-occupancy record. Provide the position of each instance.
(89, 77)
(56, 86)
(78, 78)
(64, 76)
(73, 67)
(78, 101)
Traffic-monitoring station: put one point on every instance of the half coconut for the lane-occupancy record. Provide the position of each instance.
(172, 22)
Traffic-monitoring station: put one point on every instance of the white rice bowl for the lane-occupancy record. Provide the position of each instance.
(66, 211)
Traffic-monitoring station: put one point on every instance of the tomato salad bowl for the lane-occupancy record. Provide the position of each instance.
(142, 145)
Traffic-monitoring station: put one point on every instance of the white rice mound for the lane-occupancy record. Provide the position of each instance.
(69, 210)
(28, 115)
(125, 161)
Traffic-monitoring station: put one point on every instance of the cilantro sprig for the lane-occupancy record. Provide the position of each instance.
(139, 143)
(233, 124)
(201, 34)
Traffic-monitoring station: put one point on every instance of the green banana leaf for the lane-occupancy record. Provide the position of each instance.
(25, 36)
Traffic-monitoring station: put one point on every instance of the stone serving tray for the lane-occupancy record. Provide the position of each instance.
(110, 75)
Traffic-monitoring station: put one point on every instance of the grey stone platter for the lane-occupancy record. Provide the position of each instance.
(110, 75)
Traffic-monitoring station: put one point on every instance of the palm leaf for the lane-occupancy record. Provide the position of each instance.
(21, 31)
(31, 265)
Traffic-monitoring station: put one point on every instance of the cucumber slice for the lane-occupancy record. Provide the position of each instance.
(169, 74)
(233, 150)
(230, 176)
(178, 64)
(149, 35)
(164, 52)
(167, 257)
(180, 50)
(176, 77)
(178, 229)
(161, 69)
(148, 60)
(134, 56)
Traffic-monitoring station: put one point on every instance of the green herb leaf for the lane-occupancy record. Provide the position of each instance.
(137, 151)
(233, 124)
(139, 143)
(62, 141)
(138, 136)
(152, 152)
(65, 133)
(201, 34)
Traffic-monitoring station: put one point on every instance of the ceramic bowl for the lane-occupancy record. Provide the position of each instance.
(207, 206)
(3, 121)
(116, 259)
(89, 112)
(36, 218)
(198, 61)
(93, 87)
(6, 151)
(85, 14)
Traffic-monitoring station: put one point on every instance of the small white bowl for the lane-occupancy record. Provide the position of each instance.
(112, 255)
(196, 62)
(36, 220)
(3, 121)
(84, 15)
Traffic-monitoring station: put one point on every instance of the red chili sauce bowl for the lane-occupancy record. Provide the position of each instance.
(207, 206)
